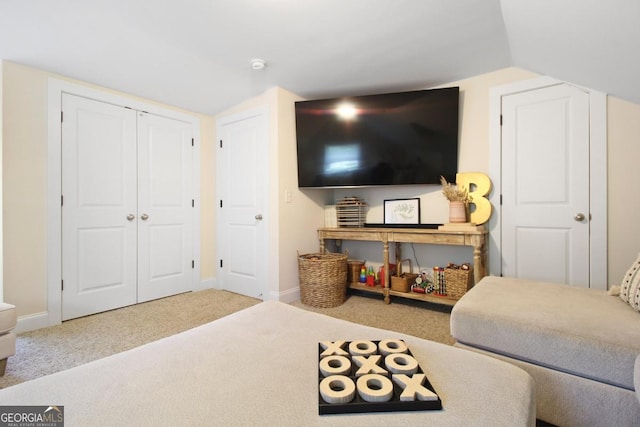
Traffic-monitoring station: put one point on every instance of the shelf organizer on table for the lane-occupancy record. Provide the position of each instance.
(477, 239)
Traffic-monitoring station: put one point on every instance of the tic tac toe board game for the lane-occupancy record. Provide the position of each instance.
(372, 376)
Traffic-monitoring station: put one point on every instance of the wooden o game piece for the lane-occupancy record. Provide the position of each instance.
(335, 365)
(392, 346)
(375, 388)
(362, 348)
(337, 389)
(399, 363)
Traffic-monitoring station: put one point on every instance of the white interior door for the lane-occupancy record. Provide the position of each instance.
(242, 187)
(165, 203)
(126, 216)
(99, 207)
(545, 185)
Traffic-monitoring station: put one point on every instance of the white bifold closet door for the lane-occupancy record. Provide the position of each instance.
(126, 206)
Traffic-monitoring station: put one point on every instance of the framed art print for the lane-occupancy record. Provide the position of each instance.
(402, 211)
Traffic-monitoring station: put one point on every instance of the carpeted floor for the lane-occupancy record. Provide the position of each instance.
(413, 318)
(82, 340)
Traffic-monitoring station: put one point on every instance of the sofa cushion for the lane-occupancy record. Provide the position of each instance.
(630, 287)
(7, 345)
(8, 317)
(636, 377)
(580, 331)
(634, 297)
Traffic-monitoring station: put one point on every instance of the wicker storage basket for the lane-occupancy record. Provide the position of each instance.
(323, 279)
(403, 281)
(458, 281)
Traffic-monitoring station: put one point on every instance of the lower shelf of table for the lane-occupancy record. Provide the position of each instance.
(411, 295)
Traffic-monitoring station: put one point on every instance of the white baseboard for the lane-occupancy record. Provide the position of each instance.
(210, 283)
(32, 322)
(288, 296)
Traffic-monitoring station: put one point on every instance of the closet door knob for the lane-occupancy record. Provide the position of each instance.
(131, 217)
(579, 217)
(144, 217)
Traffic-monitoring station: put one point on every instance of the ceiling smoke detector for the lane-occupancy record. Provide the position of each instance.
(258, 64)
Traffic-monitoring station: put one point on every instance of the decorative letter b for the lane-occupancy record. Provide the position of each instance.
(482, 187)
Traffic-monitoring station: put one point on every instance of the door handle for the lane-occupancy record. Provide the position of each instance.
(258, 217)
(131, 217)
(144, 217)
(579, 217)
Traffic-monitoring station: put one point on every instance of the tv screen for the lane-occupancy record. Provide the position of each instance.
(390, 139)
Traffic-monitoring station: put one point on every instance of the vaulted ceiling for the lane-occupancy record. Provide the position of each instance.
(195, 54)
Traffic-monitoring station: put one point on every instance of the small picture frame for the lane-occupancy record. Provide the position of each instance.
(402, 211)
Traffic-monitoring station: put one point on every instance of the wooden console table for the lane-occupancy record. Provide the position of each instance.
(474, 238)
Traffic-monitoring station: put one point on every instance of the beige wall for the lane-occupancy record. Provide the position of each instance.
(24, 188)
(25, 183)
(623, 123)
(623, 141)
(473, 157)
(298, 220)
(207, 198)
(295, 230)
(474, 115)
(473, 154)
(623, 186)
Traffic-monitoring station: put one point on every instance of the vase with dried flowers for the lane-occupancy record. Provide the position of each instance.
(459, 200)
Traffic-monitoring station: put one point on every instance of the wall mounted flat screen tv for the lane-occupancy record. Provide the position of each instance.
(389, 139)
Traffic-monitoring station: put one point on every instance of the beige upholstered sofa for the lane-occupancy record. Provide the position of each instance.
(581, 346)
(7, 337)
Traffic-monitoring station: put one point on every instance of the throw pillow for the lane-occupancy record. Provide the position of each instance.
(630, 287)
(634, 294)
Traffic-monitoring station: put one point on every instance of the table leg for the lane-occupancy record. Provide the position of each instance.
(479, 259)
(385, 279)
